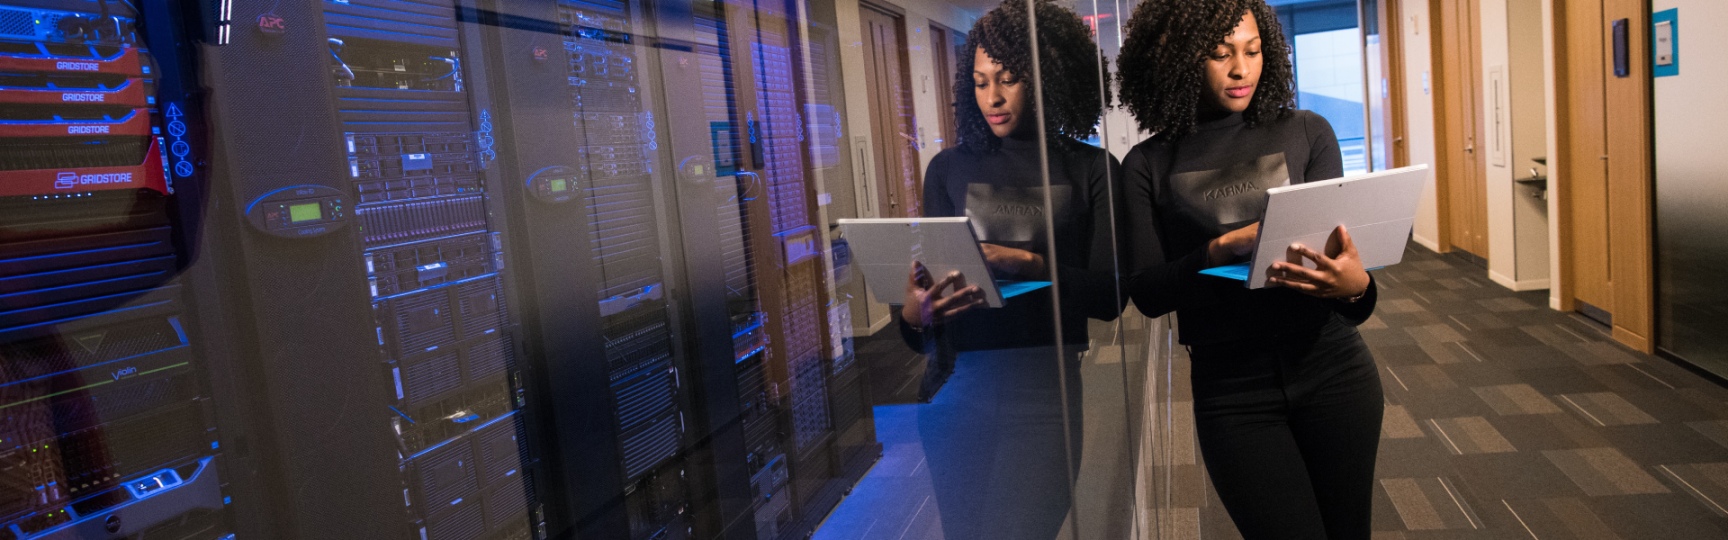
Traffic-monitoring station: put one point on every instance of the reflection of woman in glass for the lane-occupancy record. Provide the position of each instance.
(993, 177)
(995, 435)
(1287, 398)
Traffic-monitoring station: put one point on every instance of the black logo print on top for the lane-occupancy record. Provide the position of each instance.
(1229, 197)
(1013, 216)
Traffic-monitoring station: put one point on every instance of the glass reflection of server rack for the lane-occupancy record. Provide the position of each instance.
(433, 264)
(578, 140)
(412, 285)
(762, 411)
(103, 428)
(788, 254)
(636, 322)
(855, 446)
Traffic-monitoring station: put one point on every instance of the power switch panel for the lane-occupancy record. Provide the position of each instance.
(298, 212)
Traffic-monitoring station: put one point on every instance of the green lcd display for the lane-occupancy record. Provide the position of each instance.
(560, 184)
(300, 213)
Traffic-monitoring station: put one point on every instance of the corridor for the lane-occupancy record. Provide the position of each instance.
(1504, 419)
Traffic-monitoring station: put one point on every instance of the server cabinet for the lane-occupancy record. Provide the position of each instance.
(678, 212)
(789, 140)
(371, 296)
(580, 147)
(418, 269)
(105, 424)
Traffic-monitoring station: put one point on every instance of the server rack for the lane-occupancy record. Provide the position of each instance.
(761, 412)
(580, 144)
(788, 149)
(354, 260)
(105, 426)
(375, 298)
(720, 276)
(855, 447)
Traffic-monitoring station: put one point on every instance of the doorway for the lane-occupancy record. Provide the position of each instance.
(1460, 167)
(899, 186)
(1584, 156)
(1603, 167)
(944, 46)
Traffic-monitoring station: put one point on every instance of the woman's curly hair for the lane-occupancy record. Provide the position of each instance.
(1162, 65)
(1070, 63)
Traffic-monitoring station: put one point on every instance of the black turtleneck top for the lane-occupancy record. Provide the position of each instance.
(1003, 193)
(1184, 193)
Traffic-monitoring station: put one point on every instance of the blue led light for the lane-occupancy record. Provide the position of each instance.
(484, 139)
(489, 423)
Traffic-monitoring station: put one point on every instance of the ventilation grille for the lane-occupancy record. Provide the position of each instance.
(17, 23)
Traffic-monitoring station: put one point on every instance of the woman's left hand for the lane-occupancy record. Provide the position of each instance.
(1011, 263)
(1338, 275)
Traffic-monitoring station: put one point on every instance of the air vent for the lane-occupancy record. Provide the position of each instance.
(17, 23)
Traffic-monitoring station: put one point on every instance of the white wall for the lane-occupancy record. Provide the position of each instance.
(1530, 216)
(1495, 146)
(1419, 113)
(1514, 124)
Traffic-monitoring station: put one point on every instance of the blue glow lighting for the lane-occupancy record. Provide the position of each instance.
(484, 139)
(752, 352)
(159, 482)
(489, 423)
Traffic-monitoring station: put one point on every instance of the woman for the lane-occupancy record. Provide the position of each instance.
(1000, 454)
(1287, 398)
(993, 177)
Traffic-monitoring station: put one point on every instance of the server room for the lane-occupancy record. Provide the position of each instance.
(835, 270)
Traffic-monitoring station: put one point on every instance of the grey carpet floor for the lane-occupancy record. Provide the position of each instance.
(1504, 420)
(1508, 420)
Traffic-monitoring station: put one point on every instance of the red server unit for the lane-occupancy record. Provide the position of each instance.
(104, 427)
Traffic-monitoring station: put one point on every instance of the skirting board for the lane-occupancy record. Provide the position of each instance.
(1515, 285)
(1430, 244)
(876, 326)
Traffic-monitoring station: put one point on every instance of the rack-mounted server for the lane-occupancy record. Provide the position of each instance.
(104, 421)
(378, 290)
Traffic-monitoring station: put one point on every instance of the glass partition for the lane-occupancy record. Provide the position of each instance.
(527, 269)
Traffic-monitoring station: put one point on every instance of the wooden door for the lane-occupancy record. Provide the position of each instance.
(898, 187)
(1461, 165)
(1583, 161)
(1391, 129)
(1628, 193)
(942, 48)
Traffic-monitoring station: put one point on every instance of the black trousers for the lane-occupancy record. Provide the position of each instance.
(1289, 430)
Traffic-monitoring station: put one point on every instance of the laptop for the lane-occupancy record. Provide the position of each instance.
(884, 249)
(1378, 209)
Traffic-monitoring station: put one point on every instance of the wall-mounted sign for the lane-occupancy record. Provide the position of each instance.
(1665, 43)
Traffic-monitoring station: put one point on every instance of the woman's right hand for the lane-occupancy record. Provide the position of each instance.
(926, 306)
(1232, 246)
